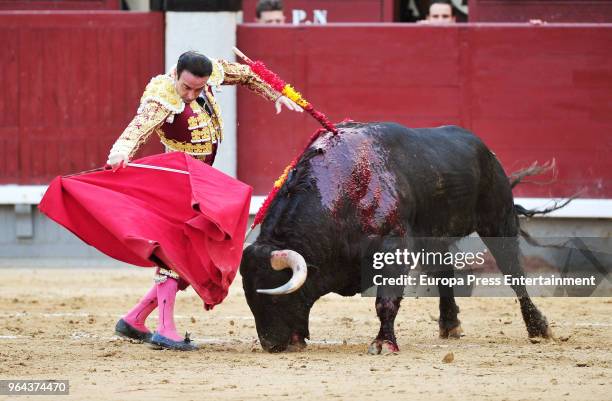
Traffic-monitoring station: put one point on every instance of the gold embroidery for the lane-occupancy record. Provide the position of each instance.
(161, 89)
(160, 100)
(235, 73)
(203, 119)
(200, 135)
(196, 149)
(217, 75)
(195, 106)
(199, 121)
(151, 115)
(216, 119)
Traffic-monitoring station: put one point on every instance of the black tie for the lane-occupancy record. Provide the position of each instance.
(202, 102)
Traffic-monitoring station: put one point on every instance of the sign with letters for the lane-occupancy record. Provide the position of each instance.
(299, 16)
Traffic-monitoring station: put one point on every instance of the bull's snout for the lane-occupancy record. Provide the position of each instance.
(273, 346)
(295, 343)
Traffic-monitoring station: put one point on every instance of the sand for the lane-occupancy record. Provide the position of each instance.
(59, 323)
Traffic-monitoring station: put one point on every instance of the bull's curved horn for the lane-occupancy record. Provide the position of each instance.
(280, 260)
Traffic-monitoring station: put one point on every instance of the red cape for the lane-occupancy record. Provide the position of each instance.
(195, 223)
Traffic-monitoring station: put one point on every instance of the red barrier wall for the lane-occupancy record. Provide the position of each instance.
(531, 93)
(546, 10)
(59, 4)
(71, 83)
(337, 10)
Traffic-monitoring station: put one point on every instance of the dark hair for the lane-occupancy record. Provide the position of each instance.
(447, 2)
(268, 5)
(194, 62)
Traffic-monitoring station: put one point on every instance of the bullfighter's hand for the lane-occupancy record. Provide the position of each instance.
(117, 160)
(288, 103)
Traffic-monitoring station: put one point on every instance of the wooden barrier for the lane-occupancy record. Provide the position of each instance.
(531, 93)
(71, 83)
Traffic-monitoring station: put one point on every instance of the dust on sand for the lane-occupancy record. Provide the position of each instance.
(58, 324)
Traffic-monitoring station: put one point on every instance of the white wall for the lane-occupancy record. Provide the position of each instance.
(139, 5)
(213, 34)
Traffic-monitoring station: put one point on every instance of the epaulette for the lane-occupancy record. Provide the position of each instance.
(217, 75)
(161, 90)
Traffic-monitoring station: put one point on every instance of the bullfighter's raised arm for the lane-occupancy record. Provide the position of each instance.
(236, 73)
(181, 108)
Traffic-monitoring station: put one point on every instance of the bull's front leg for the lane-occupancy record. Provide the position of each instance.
(386, 310)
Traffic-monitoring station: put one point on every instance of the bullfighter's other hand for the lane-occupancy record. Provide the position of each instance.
(117, 160)
(288, 103)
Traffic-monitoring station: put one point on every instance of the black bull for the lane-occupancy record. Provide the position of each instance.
(385, 184)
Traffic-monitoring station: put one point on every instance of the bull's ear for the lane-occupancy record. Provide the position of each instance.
(249, 256)
(253, 250)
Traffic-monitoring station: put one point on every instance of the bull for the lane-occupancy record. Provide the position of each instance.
(380, 184)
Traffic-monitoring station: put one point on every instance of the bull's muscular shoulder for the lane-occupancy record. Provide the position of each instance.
(161, 90)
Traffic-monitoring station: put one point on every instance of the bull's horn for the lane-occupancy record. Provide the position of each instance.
(281, 260)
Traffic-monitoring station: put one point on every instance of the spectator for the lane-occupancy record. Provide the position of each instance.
(440, 13)
(270, 12)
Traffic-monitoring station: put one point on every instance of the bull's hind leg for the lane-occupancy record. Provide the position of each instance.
(448, 323)
(506, 252)
(386, 310)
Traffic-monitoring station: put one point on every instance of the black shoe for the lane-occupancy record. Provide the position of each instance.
(123, 329)
(158, 341)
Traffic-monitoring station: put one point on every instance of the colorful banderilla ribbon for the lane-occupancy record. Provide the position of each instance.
(281, 86)
(287, 90)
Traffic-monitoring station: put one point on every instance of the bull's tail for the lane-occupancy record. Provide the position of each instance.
(522, 211)
(535, 169)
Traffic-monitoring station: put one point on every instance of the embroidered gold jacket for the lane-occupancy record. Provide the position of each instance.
(160, 103)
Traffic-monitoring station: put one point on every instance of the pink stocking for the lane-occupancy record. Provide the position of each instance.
(166, 295)
(139, 313)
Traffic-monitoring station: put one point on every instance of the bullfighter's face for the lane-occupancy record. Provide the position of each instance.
(189, 86)
(281, 320)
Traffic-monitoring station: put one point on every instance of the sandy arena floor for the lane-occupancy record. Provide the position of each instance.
(58, 324)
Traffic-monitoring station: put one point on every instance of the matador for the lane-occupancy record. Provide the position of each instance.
(181, 109)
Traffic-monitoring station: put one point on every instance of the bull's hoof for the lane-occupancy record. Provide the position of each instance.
(541, 330)
(455, 332)
(382, 347)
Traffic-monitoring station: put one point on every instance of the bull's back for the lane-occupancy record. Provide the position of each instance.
(431, 176)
